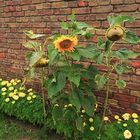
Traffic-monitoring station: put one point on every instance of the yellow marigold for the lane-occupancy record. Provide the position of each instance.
(18, 81)
(9, 84)
(65, 43)
(125, 124)
(21, 94)
(15, 97)
(0, 79)
(91, 120)
(29, 98)
(7, 99)
(34, 96)
(11, 94)
(116, 117)
(3, 93)
(31, 93)
(56, 105)
(11, 88)
(126, 116)
(3, 89)
(13, 102)
(135, 120)
(127, 134)
(14, 83)
(91, 128)
(3, 83)
(134, 115)
(83, 111)
(29, 90)
(106, 118)
(84, 124)
(70, 105)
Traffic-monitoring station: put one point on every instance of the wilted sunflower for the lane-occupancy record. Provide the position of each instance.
(65, 43)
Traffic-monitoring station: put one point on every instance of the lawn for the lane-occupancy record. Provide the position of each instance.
(12, 129)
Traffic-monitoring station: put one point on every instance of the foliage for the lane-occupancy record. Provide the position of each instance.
(22, 103)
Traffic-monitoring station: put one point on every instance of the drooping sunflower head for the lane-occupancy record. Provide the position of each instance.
(65, 43)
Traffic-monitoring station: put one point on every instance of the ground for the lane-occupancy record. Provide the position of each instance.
(11, 129)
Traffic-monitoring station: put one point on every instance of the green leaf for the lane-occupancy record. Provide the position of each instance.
(31, 34)
(74, 55)
(52, 54)
(100, 81)
(101, 43)
(88, 51)
(30, 73)
(75, 100)
(56, 84)
(72, 17)
(75, 78)
(120, 84)
(31, 44)
(64, 25)
(122, 68)
(79, 123)
(118, 20)
(125, 54)
(100, 58)
(35, 57)
(130, 37)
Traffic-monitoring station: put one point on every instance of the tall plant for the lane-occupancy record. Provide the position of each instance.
(67, 80)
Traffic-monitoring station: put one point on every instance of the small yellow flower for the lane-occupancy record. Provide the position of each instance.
(106, 118)
(13, 102)
(125, 124)
(70, 105)
(83, 111)
(126, 116)
(18, 81)
(9, 84)
(29, 98)
(84, 124)
(21, 94)
(65, 106)
(11, 88)
(31, 93)
(127, 134)
(0, 79)
(116, 117)
(3, 93)
(31, 102)
(7, 99)
(30, 90)
(56, 105)
(14, 83)
(135, 120)
(91, 128)
(91, 120)
(11, 94)
(134, 115)
(3, 89)
(82, 116)
(34, 96)
(15, 97)
(3, 83)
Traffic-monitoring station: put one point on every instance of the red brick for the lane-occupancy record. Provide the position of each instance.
(82, 3)
(136, 64)
(124, 104)
(102, 9)
(117, 1)
(126, 98)
(2, 55)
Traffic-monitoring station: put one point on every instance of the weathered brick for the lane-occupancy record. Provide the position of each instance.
(102, 9)
(117, 1)
(135, 93)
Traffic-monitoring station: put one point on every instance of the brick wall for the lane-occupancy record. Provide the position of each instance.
(43, 16)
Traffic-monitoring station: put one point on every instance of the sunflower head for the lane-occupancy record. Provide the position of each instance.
(115, 33)
(65, 43)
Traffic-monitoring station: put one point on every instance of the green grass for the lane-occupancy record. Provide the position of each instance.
(12, 129)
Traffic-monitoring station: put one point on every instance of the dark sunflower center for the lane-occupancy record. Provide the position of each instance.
(65, 44)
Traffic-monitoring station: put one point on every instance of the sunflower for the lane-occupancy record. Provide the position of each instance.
(65, 43)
